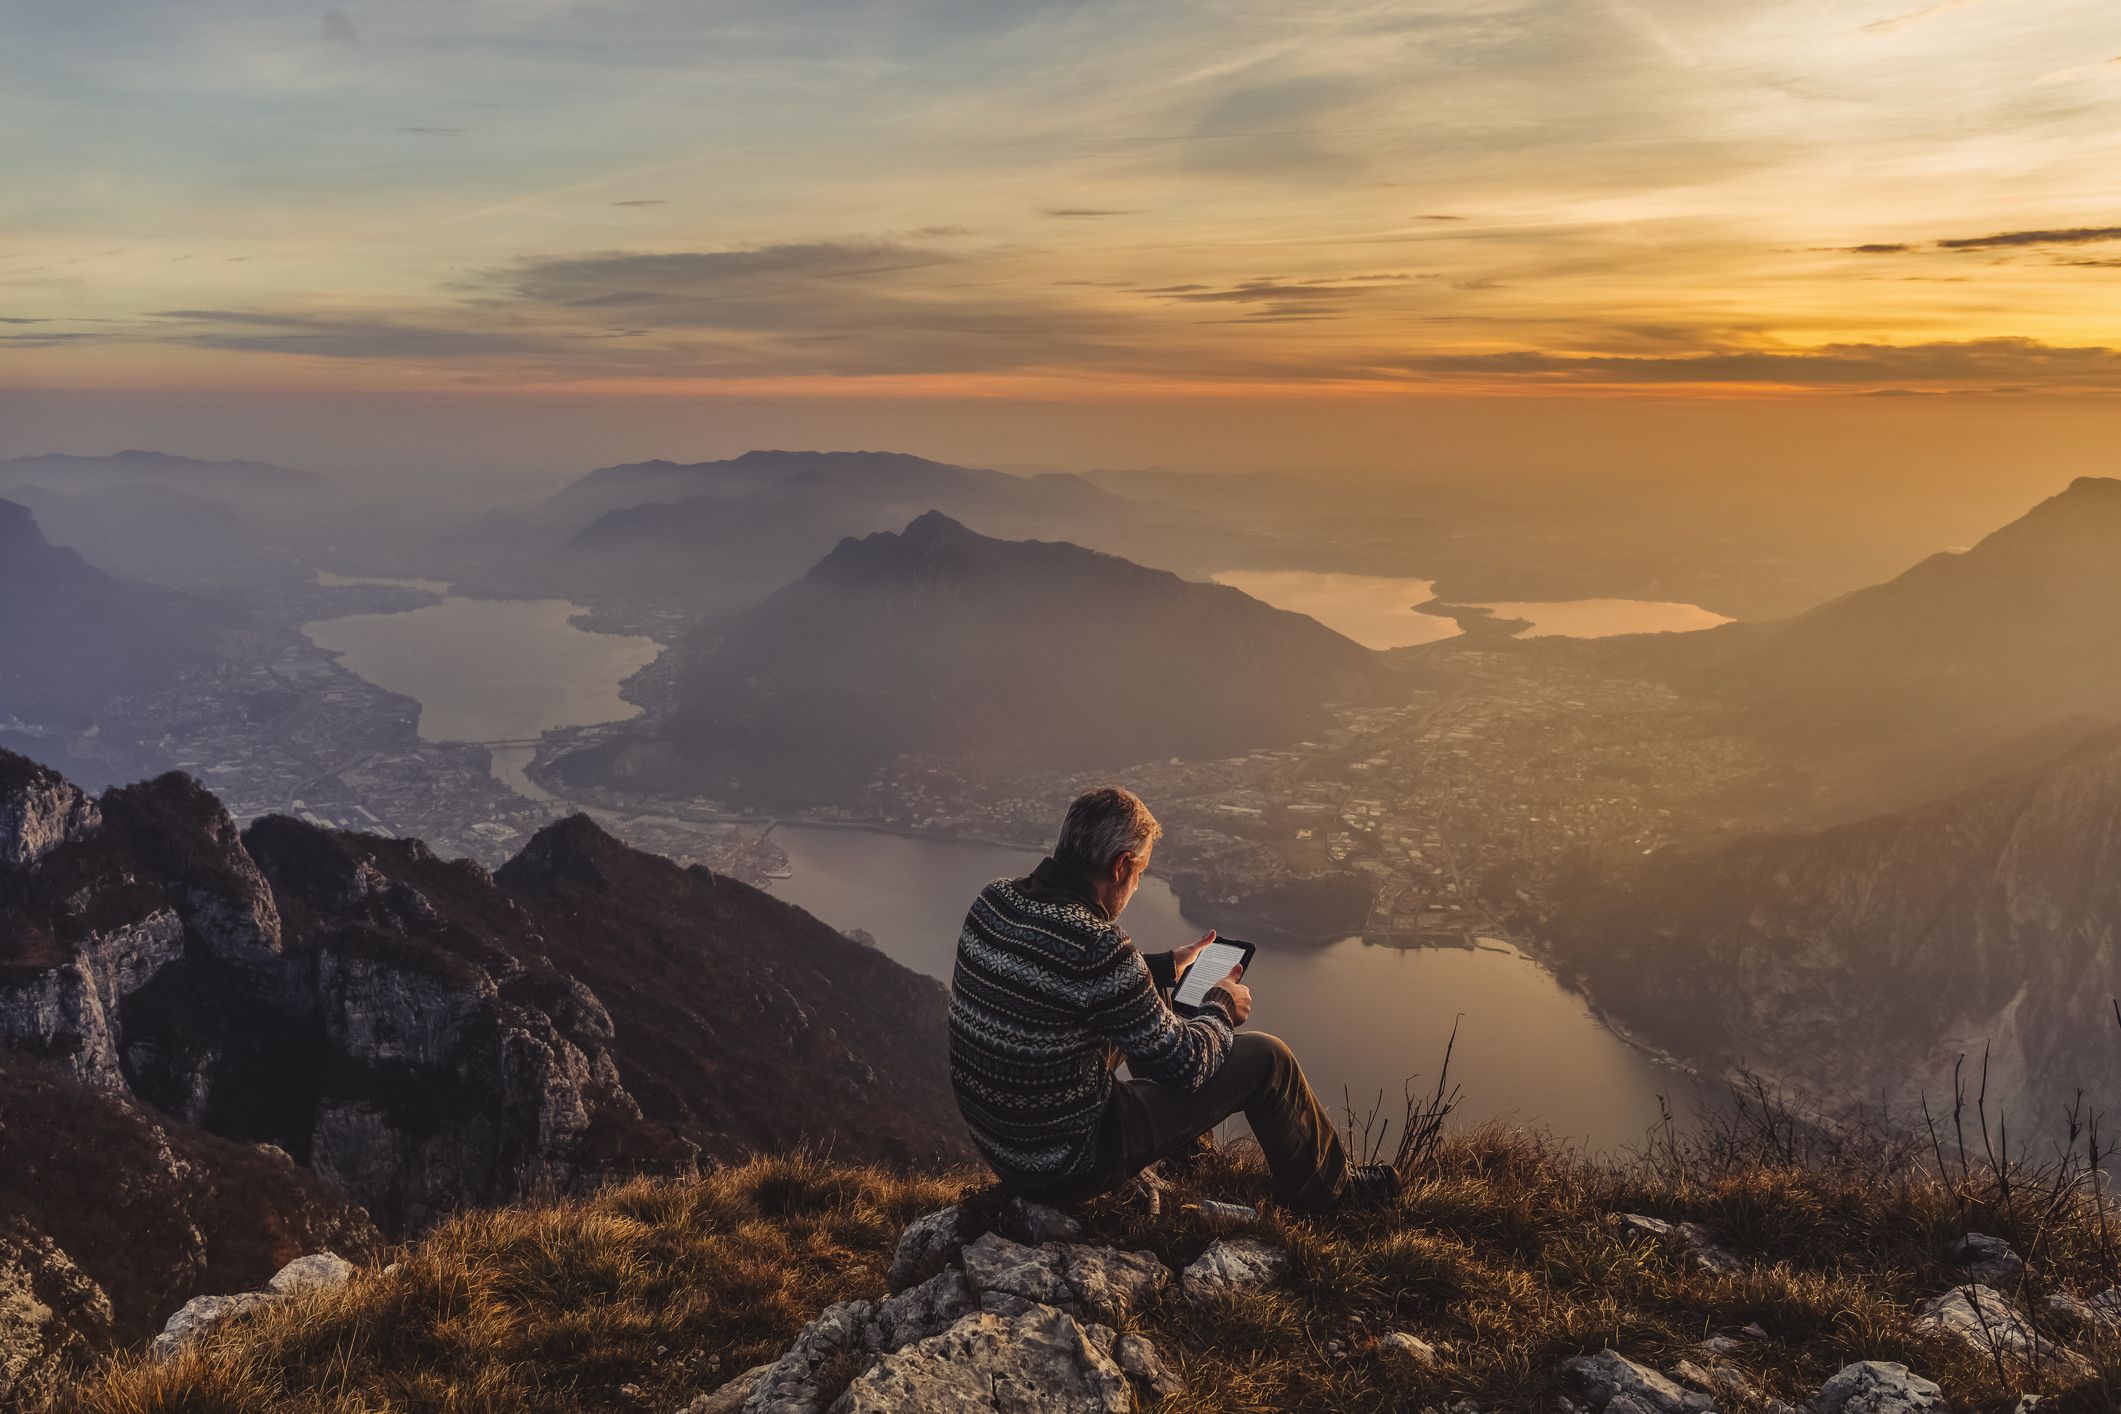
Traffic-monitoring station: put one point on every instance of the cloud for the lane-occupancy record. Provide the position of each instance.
(1077, 212)
(327, 336)
(1976, 361)
(2079, 235)
(1261, 292)
(1916, 17)
(643, 201)
(1875, 248)
(17, 319)
(433, 132)
(338, 29)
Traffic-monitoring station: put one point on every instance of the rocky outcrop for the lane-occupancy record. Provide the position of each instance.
(1982, 1319)
(39, 811)
(52, 1316)
(1233, 1265)
(1877, 1387)
(1611, 1381)
(320, 1271)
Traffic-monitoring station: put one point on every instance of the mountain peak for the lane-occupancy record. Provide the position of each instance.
(18, 527)
(933, 526)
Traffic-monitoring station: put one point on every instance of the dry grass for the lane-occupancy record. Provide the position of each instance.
(1505, 1254)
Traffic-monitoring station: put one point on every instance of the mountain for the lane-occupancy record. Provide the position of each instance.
(1969, 662)
(401, 1024)
(1018, 656)
(71, 636)
(154, 533)
(718, 536)
(112, 1216)
(237, 482)
(1862, 959)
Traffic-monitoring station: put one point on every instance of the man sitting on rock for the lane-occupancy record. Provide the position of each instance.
(1049, 996)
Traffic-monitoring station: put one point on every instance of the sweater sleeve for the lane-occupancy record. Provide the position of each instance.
(1126, 1009)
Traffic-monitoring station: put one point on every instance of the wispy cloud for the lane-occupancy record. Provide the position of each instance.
(2076, 235)
(1916, 17)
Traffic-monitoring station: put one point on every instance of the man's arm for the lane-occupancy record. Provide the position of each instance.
(1126, 1008)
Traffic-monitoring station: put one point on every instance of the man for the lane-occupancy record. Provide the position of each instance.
(1049, 996)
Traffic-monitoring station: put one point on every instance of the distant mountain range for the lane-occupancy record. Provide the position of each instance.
(1863, 959)
(1971, 663)
(722, 535)
(237, 482)
(426, 1035)
(1004, 655)
(72, 636)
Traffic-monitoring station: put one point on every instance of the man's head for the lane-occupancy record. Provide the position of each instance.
(1108, 835)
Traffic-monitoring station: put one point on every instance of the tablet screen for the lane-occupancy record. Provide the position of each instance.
(1212, 966)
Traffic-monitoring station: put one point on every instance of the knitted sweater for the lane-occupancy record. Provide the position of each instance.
(1047, 998)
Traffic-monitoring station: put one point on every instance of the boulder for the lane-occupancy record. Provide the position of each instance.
(729, 1399)
(51, 1312)
(1610, 1383)
(1708, 1255)
(200, 1315)
(927, 1246)
(2107, 1305)
(1235, 1264)
(1039, 1361)
(317, 1272)
(1988, 1260)
(1979, 1318)
(1043, 1223)
(803, 1379)
(1101, 1283)
(1877, 1387)
(1144, 1364)
(921, 1311)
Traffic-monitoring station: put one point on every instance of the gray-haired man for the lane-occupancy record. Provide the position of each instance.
(1049, 996)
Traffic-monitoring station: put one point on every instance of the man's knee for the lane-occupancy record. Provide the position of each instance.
(1269, 1055)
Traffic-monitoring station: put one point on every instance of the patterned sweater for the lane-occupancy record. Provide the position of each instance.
(1047, 998)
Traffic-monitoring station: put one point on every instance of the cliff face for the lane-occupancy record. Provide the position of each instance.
(411, 1061)
(1866, 958)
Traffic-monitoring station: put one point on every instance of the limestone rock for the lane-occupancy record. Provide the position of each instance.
(200, 1315)
(50, 1310)
(1409, 1346)
(797, 1383)
(1144, 1364)
(1610, 1383)
(729, 1399)
(1988, 1260)
(1102, 1283)
(1235, 1264)
(921, 1311)
(1043, 1223)
(2107, 1305)
(1708, 1255)
(1877, 1387)
(1037, 1362)
(316, 1272)
(926, 1246)
(40, 810)
(1979, 1318)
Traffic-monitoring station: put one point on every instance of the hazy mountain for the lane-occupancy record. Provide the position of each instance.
(72, 636)
(240, 483)
(426, 1036)
(1863, 958)
(1009, 655)
(151, 532)
(722, 535)
(1971, 662)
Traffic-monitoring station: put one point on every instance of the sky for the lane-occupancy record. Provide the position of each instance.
(1197, 232)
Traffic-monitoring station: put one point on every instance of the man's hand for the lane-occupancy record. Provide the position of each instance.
(1182, 958)
(1240, 995)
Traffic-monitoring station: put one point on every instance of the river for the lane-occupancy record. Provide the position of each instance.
(1363, 1018)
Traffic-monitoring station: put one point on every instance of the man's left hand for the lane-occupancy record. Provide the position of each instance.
(1182, 958)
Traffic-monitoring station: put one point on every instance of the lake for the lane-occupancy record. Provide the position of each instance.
(1362, 1018)
(489, 669)
(1378, 611)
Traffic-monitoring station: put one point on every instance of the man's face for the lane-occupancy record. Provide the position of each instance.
(1131, 868)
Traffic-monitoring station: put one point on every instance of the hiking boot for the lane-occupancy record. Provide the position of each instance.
(1369, 1186)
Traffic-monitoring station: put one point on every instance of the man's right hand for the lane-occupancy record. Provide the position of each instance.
(1240, 995)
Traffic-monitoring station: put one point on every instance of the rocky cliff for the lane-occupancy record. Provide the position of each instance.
(1867, 958)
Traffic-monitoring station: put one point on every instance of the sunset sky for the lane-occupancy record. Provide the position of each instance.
(1447, 204)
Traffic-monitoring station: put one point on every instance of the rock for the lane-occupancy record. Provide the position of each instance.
(1877, 1387)
(1708, 1256)
(2071, 1310)
(729, 1399)
(1988, 1260)
(40, 810)
(921, 1311)
(2107, 1305)
(1235, 1264)
(2027, 1403)
(1979, 1318)
(317, 1272)
(1406, 1345)
(1610, 1383)
(1718, 1346)
(200, 1315)
(50, 1312)
(798, 1382)
(926, 1246)
(1037, 1362)
(1099, 1282)
(1043, 1223)
(1144, 1364)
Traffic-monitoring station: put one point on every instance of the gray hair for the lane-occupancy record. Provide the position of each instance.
(1104, 824)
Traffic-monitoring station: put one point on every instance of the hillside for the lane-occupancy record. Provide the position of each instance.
(1864, 959)
(427, 1037)
(1968, 663)
(1745, 1273)
(73, 636)
(1001, 655)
